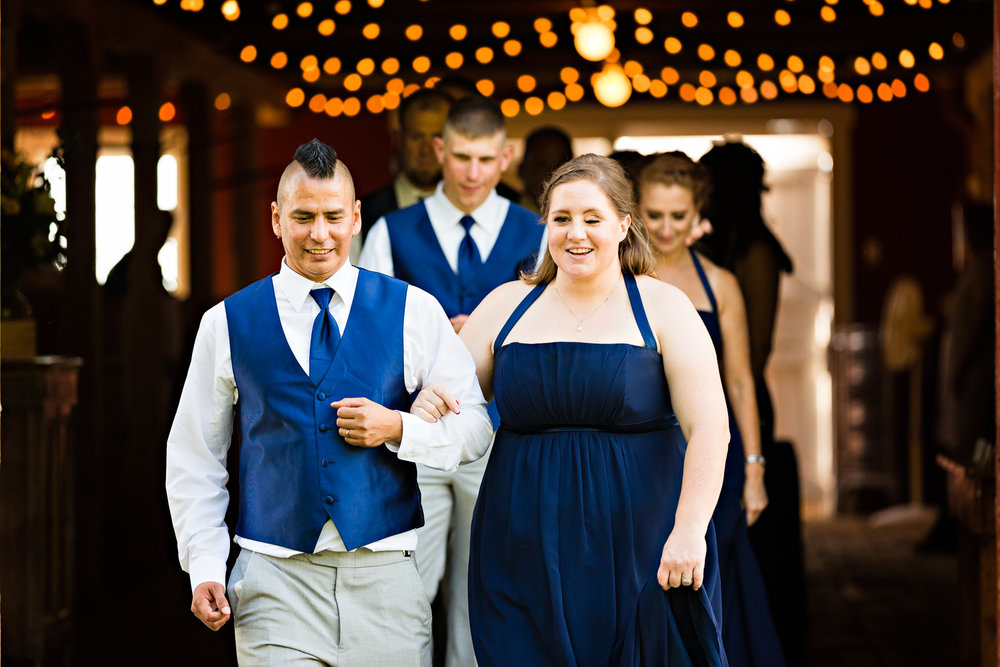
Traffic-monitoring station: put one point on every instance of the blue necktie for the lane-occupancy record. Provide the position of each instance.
(469, 260)
(325, 335)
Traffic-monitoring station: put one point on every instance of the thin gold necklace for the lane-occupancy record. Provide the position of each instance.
(581, 320)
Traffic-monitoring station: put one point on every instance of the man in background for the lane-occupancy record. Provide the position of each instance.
(458, 244)
(421, 120)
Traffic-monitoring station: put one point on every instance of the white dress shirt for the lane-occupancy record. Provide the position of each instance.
(200, 436)
(446, 220)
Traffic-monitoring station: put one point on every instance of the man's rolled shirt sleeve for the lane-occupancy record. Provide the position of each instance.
(434, 354)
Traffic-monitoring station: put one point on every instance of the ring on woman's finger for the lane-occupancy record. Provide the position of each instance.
(686, 581)
(348, 434)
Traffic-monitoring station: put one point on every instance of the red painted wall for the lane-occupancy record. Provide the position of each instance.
(909, 167)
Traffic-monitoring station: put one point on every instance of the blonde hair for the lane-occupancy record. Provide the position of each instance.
(634, 252)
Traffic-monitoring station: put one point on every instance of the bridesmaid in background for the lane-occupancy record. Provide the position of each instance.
(743, 244)
(671, 190)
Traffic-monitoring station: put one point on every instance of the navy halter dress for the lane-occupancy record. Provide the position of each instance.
(748, 632)
(577, 501)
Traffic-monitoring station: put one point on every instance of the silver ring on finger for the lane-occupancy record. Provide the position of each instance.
(686, 581)
(348, 434)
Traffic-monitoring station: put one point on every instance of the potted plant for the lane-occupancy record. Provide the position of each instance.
(30, 238)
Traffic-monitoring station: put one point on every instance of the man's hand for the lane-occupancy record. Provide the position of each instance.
(365, 423)
(458, 322)
(434, 402)
(210, 605)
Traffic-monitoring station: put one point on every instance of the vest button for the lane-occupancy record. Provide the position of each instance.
(324, 463)
(330, 500)
(323, 428)
(320, 396)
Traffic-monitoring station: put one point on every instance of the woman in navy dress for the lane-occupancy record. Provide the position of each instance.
(592, 541)
(672, 189)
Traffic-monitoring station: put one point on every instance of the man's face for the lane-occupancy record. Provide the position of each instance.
(417, 134)
(471, 168)
(316, 221)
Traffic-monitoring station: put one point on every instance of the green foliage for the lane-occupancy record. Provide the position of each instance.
(31, 235)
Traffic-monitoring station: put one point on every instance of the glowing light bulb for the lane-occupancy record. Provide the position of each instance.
(593, 39)
(611, 86)
(231, 10)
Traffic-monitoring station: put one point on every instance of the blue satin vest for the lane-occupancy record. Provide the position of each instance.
(418, 259)
(295, 469)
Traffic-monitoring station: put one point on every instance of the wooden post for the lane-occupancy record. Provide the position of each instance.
(996, 296)
(194, 98)
(144, 385)
(246, 214)
(82, 321)
(8, 62)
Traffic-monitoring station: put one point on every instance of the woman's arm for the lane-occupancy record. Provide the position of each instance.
(696, 391)
(478, 334)
(739, 384)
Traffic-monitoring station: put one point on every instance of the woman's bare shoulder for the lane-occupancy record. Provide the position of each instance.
(506, 293)
(502, 300)
(724, 283)
(719, 277)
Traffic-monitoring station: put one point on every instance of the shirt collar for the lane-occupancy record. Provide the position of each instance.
(487, 215)
(296, 287)
(407, 193)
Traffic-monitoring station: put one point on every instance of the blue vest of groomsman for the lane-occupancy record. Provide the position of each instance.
(313, 369)
(458, 244)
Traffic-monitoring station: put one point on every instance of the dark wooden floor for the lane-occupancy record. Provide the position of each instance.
(874, 601)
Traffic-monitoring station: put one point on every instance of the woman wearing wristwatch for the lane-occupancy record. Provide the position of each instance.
(671, 189)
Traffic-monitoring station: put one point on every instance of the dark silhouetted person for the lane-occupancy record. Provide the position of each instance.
(545, 148)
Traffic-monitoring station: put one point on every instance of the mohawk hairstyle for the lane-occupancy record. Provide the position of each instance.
(317, 159)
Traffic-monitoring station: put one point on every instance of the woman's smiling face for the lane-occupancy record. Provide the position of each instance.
(669, 212)
(584, 229)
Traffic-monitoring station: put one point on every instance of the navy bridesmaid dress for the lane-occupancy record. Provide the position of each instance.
(576, 504)
(748, 631)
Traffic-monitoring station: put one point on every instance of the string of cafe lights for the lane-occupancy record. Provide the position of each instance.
(791, 79)
(771, 81)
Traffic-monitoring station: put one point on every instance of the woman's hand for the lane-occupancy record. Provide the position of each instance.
(700, 227)
(434, 402)
(754, 494)
(683, 560)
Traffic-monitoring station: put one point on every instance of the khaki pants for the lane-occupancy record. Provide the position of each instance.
(448, 500)
(354, 609)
